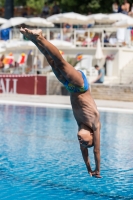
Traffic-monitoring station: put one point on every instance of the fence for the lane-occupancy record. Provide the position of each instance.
(23, 84)
(80, 37)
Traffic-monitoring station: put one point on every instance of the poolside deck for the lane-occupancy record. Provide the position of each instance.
(60, 101)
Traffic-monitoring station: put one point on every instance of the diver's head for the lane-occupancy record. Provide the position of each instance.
(86, 139)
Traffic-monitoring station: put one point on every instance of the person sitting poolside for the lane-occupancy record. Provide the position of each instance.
(101, 73)
(131, 11)
(83, 105)
(2, 62)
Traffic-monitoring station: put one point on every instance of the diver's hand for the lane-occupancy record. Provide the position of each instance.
(31, 34)
(96, 174)
(90, 173)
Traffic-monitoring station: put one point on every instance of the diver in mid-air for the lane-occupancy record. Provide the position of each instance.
(83, 106)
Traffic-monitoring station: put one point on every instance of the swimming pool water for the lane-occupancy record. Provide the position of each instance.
(40, 156)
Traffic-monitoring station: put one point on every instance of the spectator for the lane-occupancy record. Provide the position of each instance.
(101, 73)
(89, 25)
(55, 9)
(87, 40)
(106, 37)
(131, 12)
(67, 28)
(95, 38)
(115, 7)
(132, 36)
(24, 13)
(125, 7)
(45, 11)
(2, 62)
(113, 39)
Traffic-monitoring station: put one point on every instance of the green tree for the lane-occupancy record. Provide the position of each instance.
(74, 6)
(19, 2)
(36, 4)
(79, 6)
(94, 6)
(2, 2)
(85, 6)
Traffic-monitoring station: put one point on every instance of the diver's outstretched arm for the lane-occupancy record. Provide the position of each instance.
(96, 173)
(85, 155)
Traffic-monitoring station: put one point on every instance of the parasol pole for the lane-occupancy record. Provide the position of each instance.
(35, 80)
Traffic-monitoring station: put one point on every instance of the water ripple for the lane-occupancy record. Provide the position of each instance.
(40, 156)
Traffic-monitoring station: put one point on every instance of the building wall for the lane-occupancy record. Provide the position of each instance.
(53, 86)
(98, 91)
(114, 92)
(125, 56)
(122, 56)
(91, 51)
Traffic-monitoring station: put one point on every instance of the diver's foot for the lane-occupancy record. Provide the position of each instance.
(31, 34)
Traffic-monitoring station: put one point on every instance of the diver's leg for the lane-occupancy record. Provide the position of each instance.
(51, 62)
(67, 70)
(56, 71)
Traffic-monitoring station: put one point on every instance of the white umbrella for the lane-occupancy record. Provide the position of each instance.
(98, 18)
(99, 53)
(2, 20)
(2, 50)
(2, 43)
(38, 21)
(70, 18)
(26, 45)
(55, 18)
(61, 43)
(112, 18)
(13, 22)
(20, 45)
(124, 23)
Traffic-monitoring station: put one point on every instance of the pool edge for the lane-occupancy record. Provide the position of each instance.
(65, 106)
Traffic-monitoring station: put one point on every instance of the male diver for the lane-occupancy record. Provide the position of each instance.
(83, 105)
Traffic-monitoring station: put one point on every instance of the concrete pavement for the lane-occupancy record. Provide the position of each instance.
(61, 101)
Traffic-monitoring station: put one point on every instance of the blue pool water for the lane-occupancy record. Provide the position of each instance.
(40, 156)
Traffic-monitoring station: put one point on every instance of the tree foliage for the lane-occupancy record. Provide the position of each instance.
(2, 2)
(79, 6)
(86, 6)
(19, 2)
(94, 5)
(36, 4)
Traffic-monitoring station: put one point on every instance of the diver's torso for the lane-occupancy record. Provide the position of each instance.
(84, 109)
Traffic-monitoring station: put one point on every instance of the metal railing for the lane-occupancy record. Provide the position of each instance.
(77, 37)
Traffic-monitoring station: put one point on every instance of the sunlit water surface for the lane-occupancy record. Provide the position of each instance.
(40, 156)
